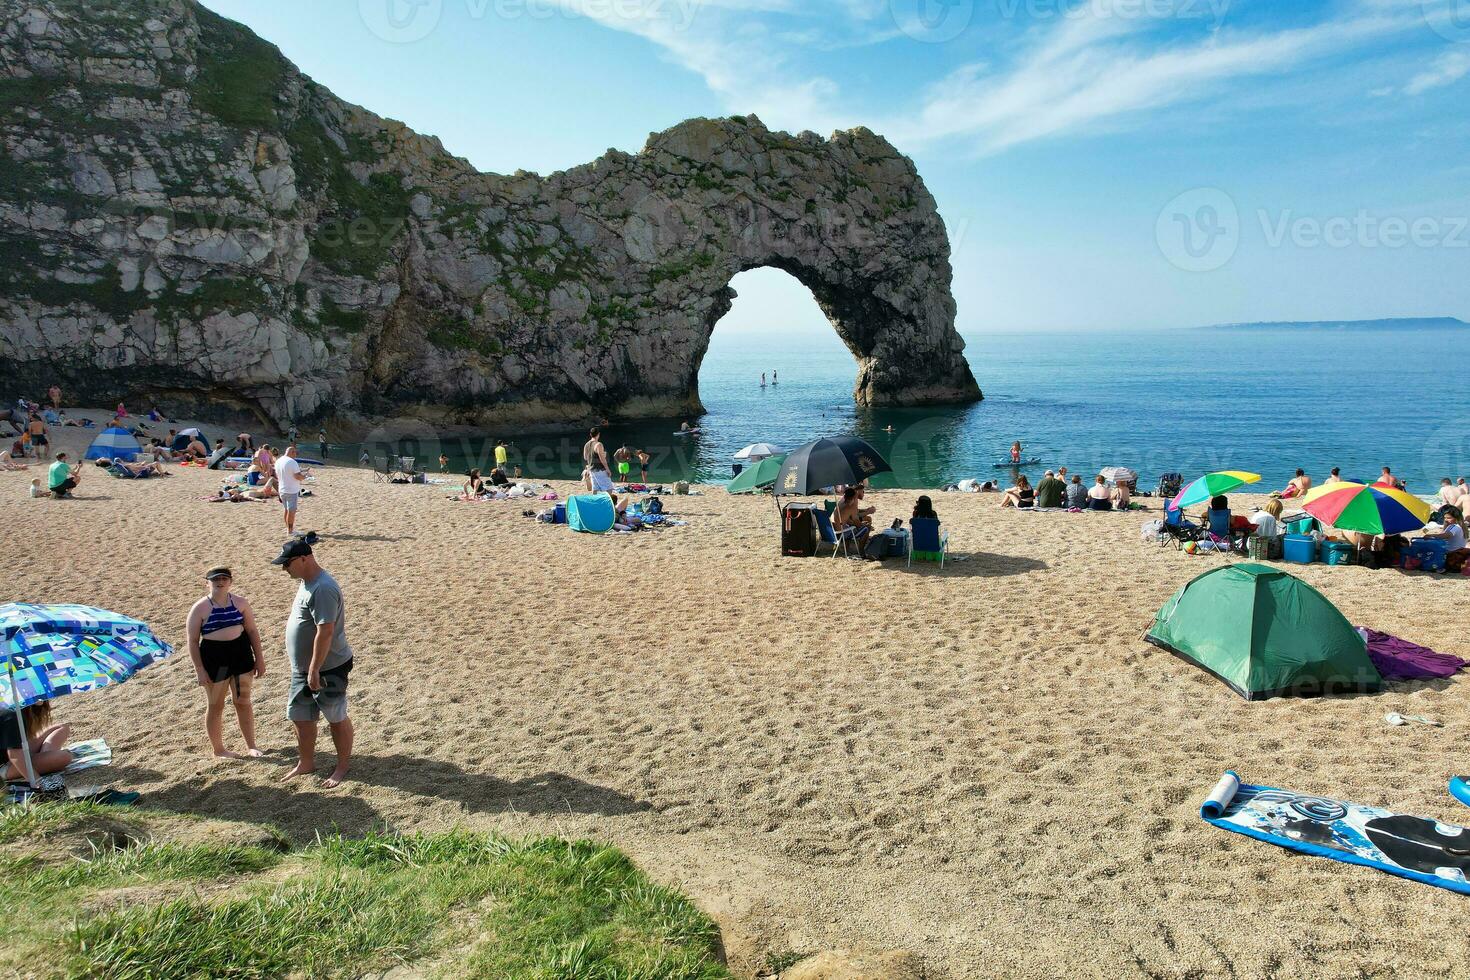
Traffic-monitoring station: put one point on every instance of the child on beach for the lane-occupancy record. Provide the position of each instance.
(37, 490)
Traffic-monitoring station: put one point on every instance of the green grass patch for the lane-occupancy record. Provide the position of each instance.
(240, 76)
(476, 904)
(456, 333)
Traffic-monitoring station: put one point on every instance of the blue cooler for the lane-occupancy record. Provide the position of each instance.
(1337, 552)
(1299, 548)
(1430, 552)
(1302, 525)
(559, 514)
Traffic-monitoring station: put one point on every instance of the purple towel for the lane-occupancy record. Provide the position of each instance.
(1398, 659)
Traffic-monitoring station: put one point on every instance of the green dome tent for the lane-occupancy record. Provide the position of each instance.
(1264, 633)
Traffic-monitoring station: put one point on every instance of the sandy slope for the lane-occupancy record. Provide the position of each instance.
(984, 765)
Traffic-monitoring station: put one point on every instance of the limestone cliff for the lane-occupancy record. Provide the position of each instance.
(185, 216)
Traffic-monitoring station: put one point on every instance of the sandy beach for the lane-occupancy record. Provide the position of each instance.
(983, 765)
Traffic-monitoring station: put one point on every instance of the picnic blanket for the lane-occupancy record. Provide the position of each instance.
(1398, 659)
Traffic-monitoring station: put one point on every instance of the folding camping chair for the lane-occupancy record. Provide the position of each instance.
(928, 539)
(827, 534)
(380, 469)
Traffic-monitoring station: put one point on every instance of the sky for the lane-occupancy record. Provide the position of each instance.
(1100, 164)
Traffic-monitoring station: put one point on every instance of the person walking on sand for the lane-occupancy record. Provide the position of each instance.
(225, 647)
(321, 659)
(289, 485)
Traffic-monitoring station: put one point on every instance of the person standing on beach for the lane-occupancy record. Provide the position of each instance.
(38, 431)
(502, 456)
(54, 393)
(595, 477)
(643, 459)
(292, 433)
(321, 659)
(623, 458)
(225, 647)
(289, 485)
(321, 438)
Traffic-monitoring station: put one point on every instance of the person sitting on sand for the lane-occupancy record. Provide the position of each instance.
(62, 479)
(225, 647)
(1297, 486)
(196, 448)
(1268, 520)
(1451, 494)
(1119, 495)
(1021, 495)
(1098, 495)
(47, 741)
(37, 490)
(1453, 533)
(473, 486)
(263, 458)
(1387, 479)
(1050, 492)
(1334, 477)
(851, 514)
(924, 510)
(1076, 493)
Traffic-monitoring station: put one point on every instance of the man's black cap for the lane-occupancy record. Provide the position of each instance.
(295, 548)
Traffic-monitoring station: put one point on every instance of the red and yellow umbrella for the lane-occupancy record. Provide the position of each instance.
(1368, 510)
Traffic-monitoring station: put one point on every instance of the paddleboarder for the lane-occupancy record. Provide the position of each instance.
(1016, 452)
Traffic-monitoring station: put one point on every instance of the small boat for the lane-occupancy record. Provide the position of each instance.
(687, 432)
(1008, 465)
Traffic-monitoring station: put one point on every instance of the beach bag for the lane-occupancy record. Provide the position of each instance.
(653, 505)
(1152, 532)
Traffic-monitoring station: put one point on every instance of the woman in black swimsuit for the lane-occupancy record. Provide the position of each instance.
(225, 647)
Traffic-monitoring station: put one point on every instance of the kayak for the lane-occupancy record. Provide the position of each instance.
(1008, 465)
(687, 432)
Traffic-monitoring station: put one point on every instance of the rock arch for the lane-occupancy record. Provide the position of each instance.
(199, 217)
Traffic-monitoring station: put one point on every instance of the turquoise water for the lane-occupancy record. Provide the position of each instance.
(1267, 400)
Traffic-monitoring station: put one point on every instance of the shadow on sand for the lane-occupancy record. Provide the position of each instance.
(301, 808)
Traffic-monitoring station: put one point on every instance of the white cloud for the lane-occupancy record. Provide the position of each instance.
(1449, 69)
(1091, 69)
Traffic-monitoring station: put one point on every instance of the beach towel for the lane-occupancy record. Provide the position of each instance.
(1411, 847)
(1398, 659)
(90, 754)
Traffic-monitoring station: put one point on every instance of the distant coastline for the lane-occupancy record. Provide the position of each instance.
(1387, 323)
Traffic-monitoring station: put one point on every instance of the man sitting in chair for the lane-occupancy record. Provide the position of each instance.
(852, 514)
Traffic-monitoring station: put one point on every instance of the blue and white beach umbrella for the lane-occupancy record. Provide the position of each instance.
(53, 650)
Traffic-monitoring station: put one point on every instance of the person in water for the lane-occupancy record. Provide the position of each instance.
(763, 379)
(1016, 451)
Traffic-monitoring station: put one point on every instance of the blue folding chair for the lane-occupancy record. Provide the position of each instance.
(927, 537)
(827, 534)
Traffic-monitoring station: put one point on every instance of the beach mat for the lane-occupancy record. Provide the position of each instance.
(1417, 848)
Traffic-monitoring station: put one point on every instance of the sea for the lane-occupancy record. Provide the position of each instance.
(1267, 400)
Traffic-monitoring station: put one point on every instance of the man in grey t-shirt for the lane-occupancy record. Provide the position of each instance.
(316, 643)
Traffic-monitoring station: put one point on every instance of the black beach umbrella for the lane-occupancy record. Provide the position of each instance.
(827, 463)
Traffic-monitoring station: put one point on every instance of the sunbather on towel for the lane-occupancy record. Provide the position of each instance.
(7, 463)
(47, 741)
(140, 468)
(1021, 495)
(1076, 493)
(1098, 496)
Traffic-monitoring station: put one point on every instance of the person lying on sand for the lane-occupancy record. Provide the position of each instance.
(7, 463)
(140, 468)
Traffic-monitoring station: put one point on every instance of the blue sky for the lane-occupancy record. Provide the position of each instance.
(1100, 163)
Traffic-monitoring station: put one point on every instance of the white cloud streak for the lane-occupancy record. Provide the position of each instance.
(1448, 70)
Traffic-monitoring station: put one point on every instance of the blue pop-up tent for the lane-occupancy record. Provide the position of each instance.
(591, 512)
(114, 443)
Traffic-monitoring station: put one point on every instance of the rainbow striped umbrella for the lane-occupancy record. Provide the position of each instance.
(1212, 485)
(1368, 510)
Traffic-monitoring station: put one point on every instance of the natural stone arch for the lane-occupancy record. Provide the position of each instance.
(179, 232)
